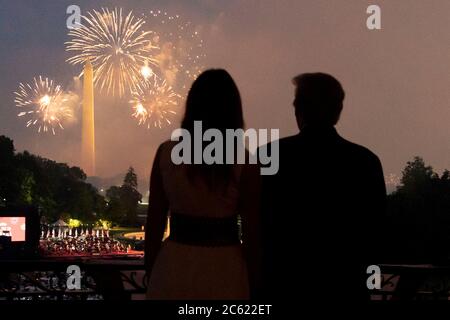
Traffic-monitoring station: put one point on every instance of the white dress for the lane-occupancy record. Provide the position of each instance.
(184, 271)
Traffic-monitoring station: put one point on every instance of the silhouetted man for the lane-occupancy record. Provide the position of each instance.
(322, 211)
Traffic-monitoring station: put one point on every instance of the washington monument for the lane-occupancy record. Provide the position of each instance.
(88, 130)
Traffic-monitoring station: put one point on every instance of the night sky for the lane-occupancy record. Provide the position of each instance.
(396, 79)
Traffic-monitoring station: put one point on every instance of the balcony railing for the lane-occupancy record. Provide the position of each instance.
(46, 279)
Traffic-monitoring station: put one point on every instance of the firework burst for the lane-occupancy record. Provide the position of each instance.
(117, 47)
(180, 57)
(154, 103)
(45, 104)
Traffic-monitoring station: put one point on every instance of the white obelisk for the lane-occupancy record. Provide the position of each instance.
(88, 127)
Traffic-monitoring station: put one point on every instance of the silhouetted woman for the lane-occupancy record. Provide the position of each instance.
(204, 257)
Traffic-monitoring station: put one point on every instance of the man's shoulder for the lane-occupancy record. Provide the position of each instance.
(289, 140)
(359, 151)
(350, 148)
(286, 141)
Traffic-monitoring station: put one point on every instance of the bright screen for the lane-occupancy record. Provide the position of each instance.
(13, 227)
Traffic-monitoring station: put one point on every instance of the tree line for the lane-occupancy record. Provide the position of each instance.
(418, 221)
(61, 191)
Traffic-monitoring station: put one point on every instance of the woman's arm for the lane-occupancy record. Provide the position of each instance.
(249, 209)
(158, 207)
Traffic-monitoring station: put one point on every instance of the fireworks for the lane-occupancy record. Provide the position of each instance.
(392, 179)
(117, 47)
(180, 54)
(175, 66)
(152, 59)
(45, 103)
(146, 72)
(153, 104)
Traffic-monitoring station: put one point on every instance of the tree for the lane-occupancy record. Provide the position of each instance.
(130, 196)
(130, 179)
(417, 176)
(114, 209)
(26, 186)
(123, 200)
(7, 170)
(55, 188)
(420, 212)
(6, 149)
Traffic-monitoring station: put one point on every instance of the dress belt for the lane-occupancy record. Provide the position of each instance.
(204, 231)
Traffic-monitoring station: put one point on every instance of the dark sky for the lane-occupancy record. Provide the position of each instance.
(396, 79)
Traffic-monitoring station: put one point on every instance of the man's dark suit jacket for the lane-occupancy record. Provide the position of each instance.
(322, 217)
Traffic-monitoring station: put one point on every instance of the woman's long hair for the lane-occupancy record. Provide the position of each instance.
(214, 100)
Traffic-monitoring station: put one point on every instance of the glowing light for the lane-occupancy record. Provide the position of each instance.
(146, 72)
(181, 50)
(153, 104)
(117, 47)
(392, 179)
(140, 111)
(45, 103)
(104, 224)
(45, 100)
(74, 223)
